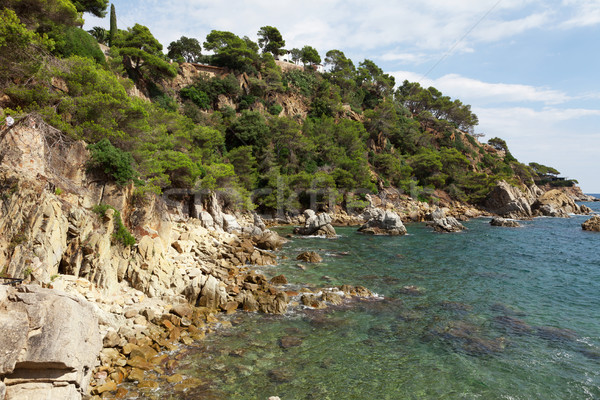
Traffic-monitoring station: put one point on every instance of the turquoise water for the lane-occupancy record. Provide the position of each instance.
(499, 313)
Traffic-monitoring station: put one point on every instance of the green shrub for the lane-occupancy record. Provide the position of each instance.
(77, 42)
(198, 97)
(113, 161)
(275, 109)
(120, 233)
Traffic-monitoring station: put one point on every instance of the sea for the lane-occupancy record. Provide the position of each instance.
(488, 313)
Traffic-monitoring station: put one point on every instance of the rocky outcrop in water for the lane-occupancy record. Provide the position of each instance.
(382, 222)
(555, 203)
(442, 223)
(316, 224)
(508, 223)
(592, 224)
(511, 202)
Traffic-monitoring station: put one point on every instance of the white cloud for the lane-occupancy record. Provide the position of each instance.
(584, 13)
(475, 91)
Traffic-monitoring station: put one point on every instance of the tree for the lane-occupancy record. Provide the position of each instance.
(230, 50)
(185, 49)
(22, 50)
(338, 62)
(296, 54)
(310, 56)
(100, 34)
(142, 53)
(271, 41)
(112, 35)
(94, 7)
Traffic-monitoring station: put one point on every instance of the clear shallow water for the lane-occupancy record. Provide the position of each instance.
(484, 325)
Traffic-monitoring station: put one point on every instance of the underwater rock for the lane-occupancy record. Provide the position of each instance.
(513, 325)
(556, 334)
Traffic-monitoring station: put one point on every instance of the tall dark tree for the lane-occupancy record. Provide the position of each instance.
(113, 25)
(271, 41)
(185, 49)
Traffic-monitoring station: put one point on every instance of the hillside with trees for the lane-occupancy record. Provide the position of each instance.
(361, 132)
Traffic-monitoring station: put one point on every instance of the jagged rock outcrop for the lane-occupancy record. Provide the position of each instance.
(442, 223)
(382, 222)
(509, 223)
(50, 341)
(511, 202)
(556, 203)
(316, 224)
(592, 224)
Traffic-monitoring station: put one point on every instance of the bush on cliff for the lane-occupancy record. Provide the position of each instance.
(112, 161)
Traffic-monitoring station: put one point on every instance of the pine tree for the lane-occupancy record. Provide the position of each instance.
(113, 25)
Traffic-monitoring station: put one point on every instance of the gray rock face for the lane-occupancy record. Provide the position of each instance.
(52, 340)
(555, 203)
(509, 223)
(509, 201)
(316, 224)
(441, 223)
(382, 222)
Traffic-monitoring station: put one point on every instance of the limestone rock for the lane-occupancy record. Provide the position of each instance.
(442, 223)
(60, 343)
(268, 240)
(509, 201)
(509, 223)
(316, 224)
(382, 222)
(555, 203)
(592, 224)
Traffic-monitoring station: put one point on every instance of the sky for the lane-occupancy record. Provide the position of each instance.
(528, 68)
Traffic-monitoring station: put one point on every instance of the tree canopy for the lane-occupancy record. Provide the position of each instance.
(231, 50)
(270, 40)
(185, 49)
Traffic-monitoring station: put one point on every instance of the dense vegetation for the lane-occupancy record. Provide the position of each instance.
(360, 133)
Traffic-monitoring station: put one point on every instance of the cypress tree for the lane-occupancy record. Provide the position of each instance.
(113, 25)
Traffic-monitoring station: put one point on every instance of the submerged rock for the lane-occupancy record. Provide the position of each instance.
(513, 325)
(468, 337)
(508, 223)
(592, 224)
(382, 222)
(556, 334)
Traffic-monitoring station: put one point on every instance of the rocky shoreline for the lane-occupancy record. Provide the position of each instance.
(92, 312)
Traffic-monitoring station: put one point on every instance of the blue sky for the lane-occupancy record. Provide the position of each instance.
(528, 68)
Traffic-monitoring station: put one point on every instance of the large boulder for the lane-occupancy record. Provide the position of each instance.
(316, 224)
(442, 223)
(382, 222)
(50, 344)
(510, 202)
(592, 224)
